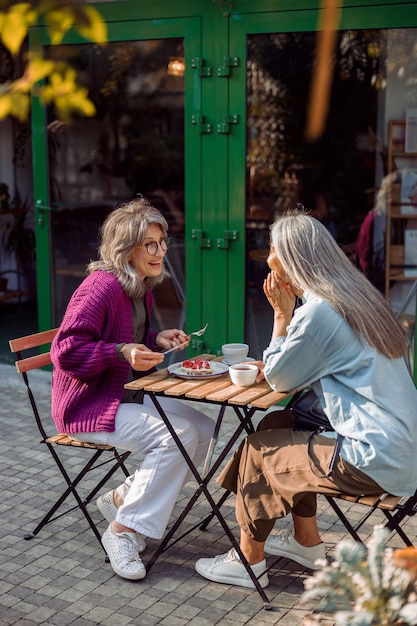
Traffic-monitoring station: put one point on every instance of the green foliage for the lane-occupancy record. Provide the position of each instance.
(53, 82)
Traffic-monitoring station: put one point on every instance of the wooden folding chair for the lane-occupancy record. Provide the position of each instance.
(25, 364)
(396, 509)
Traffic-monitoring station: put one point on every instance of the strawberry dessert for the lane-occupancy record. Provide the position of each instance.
(196, 367)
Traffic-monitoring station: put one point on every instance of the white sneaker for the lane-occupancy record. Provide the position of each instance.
(285, 545)
(229, 569)
(122, 551)
(105, 505)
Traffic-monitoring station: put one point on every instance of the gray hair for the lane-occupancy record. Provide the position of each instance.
(311, 259)
(123, 230)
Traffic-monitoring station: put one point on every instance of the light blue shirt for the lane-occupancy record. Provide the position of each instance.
(369, 399)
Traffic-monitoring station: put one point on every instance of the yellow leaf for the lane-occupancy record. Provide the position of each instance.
(20, 105)
(14, 25)
(58, 22)
(14, 30)
(81, 101)
(32, 17)
(59, 85)
(5, 105)
(21, 7)
(68, 99)
(16, 104)
(90, 23)
(38, 68)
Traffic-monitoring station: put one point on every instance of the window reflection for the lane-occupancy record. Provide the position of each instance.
(337, 178)
(134, 145)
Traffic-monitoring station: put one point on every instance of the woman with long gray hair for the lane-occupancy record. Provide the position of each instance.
(344, 342)
(104, 341)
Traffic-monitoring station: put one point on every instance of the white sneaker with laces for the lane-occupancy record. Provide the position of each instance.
(105, 505)
(285, 545)
(122, 551)
(229, 569)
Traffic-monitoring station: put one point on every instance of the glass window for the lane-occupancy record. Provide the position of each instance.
(340, 177)
(133, 145)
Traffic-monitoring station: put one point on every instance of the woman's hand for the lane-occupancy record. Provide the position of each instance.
(260, 376)
(168, 339)
(279, 295)
(140, 357)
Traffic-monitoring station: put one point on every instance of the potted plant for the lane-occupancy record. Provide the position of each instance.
(365, 585)
(4, 208)
(17, 236)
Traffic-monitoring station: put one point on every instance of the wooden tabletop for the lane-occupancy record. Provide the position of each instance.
(217, 390)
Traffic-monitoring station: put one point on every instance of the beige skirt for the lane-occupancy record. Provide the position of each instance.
(272, 475)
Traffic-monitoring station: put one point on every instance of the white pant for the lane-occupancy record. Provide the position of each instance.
(150, 493)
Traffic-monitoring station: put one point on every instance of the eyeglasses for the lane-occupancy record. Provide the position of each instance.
(152, 246)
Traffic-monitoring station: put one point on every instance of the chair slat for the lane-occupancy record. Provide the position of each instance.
(389, 503)
(62, 439)
(386, 502)
(33, 362)
(32, 341)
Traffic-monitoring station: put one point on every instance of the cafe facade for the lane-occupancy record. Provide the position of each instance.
(213, 111)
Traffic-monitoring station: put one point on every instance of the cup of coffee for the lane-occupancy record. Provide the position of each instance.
(243, 374)
(235, 352)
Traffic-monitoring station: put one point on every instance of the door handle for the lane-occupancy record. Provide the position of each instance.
(40, 210)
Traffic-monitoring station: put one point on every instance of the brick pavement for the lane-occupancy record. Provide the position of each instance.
(60, 577)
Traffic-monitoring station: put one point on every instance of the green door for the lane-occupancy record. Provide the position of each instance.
(273, 165)
(144, 89)
(220, 146)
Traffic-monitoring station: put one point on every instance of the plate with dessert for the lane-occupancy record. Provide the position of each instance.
(197, 368)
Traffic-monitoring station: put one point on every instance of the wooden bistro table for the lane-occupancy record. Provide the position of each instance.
(222, 392)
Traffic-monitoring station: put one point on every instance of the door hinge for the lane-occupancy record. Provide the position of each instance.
(224, 127)
(203, 241)
(200, 121)
(228, 236)
(205, 71)
(228, 63)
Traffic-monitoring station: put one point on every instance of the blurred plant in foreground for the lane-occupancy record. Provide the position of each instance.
(53, 82)
(365, 586)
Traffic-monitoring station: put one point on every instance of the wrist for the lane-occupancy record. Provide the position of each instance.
(119, 350)
(156, 340)
(281, 318)
(280, 325)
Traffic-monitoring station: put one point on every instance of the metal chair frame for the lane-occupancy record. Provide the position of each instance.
(24, 364)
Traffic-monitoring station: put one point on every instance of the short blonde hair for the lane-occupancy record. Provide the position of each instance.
(123, 230)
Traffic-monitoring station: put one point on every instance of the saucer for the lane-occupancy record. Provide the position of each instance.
(246, 360)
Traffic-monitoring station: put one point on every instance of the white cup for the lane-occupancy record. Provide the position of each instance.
(235, 352)
(243, 374)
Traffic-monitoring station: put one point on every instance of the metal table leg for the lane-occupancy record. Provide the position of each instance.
(203, 480)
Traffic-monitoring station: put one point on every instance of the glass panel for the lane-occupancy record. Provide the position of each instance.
(338, 177)
(134, 145)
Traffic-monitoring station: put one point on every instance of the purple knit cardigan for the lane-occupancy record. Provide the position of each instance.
(88, 377)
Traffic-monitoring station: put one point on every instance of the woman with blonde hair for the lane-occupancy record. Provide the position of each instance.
(344, 342)
(104, 341)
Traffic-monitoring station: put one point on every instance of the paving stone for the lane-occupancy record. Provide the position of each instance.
(60, 577)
